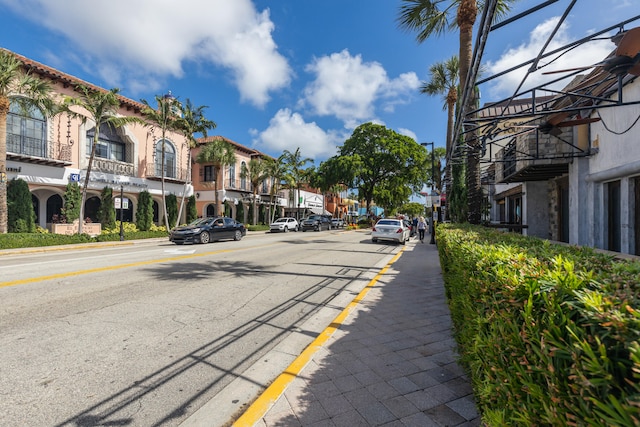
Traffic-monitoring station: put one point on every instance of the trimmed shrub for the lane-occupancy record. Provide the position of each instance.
(192, 212)
(144, 212)
(72, 200)
(172, 209)
(21, 217)
(548, 333)
(107, 210)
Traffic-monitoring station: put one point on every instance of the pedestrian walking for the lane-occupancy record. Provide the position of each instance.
(422, 226)
(414, 226)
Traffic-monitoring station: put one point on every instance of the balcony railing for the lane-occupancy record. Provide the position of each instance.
(154, 170)
(113, 167)
(536, 157)
(509, 159)
(21, 145)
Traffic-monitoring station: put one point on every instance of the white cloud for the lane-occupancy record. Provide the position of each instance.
(348, 88)
(409, 133)
(141, 42)
(585, 55)
(288, 131)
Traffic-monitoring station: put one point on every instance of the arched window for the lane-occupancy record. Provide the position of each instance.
(264, 186)
(243, 179)
(91, 208)
(110, 145)
(232, 175)
(54, 207)
(169, 159)
(26, 131)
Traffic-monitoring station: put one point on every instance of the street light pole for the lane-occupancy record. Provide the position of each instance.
(121, 203)
(433, 185)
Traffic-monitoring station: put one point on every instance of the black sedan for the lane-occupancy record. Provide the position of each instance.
(316, 222)
(205, 230)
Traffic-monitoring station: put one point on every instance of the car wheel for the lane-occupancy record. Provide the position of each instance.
(296, 229)
(403, 241)
(286, 229)
(374, 240)
(237, 236)
(204, 237)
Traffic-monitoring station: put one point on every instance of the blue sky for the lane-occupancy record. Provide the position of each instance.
(283, 74)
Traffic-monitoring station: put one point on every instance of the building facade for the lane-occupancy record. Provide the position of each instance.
(50, 152)
(575, 176)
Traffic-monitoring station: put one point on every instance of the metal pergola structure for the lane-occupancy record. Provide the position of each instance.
(547, 108)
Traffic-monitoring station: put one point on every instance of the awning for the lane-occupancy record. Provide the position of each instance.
(319, 211)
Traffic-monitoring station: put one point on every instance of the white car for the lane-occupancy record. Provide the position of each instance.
(284, 225)
(337, 222)
(390, 229)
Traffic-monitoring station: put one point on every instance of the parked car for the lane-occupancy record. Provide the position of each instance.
(316, 222)
(210, 229)
(390, 229)
(337, 222)
(409, 225)
(284, 224)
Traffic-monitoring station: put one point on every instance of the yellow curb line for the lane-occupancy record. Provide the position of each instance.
(268, 398)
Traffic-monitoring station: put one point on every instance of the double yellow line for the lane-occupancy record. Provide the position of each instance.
(108, 268)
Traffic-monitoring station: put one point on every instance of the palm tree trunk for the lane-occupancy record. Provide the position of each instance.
(255, 206)
(4, 212)
(162, 172)
(184, 190)
(451, 103)
(86, 178)
(215, 194)
(467, 12)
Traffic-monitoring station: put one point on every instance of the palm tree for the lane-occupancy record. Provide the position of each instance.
(219, 153)
(444, 80)
(295, 165)
(255, 171)
(36, 93)
(101, 107)
(167, 117)
(427, 18)
(276, 169)
(193, 122)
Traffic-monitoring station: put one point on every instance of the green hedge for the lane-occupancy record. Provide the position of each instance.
(548, 333)
(44, 238)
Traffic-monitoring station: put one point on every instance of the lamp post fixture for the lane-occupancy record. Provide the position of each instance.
(433, 184)
(121, 203)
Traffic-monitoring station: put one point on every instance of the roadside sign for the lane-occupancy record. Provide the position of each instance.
(74, 177)
(116, 203)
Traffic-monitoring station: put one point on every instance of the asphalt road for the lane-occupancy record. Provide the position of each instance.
(146, 334)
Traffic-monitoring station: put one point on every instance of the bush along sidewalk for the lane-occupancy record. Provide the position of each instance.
(549, 333)
(43, 238)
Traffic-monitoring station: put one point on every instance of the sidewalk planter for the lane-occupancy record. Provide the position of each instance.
(549, 334)
(92, 229)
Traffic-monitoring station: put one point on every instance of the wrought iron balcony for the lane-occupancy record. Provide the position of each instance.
(154, 171)
(35, 150)
(537, 156)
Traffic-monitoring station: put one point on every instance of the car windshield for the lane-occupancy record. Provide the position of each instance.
(312, 217)
(389, 222)
(199, 221)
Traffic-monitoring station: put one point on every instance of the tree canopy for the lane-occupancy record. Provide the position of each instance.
(382, 164)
